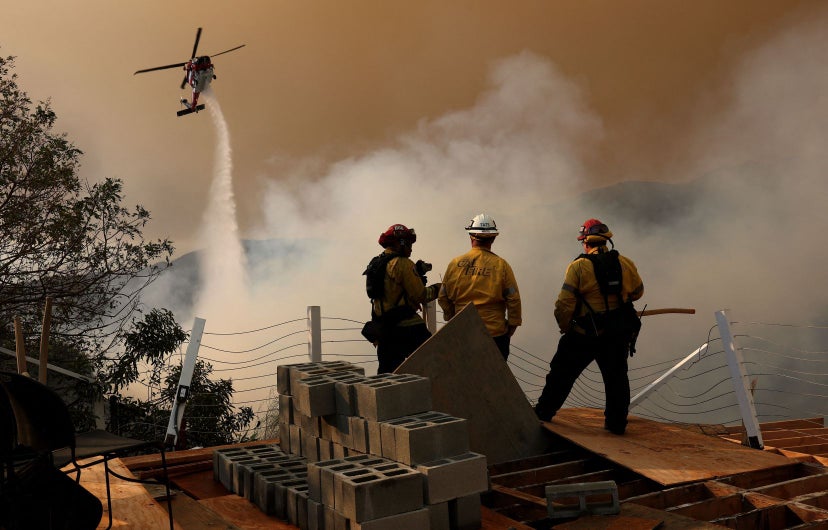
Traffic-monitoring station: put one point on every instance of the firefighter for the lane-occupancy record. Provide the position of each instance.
(397, 288)
(587, 320)
(483, 278)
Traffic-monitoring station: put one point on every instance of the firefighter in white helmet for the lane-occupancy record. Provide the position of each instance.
(483, 278)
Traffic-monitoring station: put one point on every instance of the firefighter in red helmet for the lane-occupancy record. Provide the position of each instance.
(598, 323)
(397, 289)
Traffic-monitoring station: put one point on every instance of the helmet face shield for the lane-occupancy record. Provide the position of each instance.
(593, 227)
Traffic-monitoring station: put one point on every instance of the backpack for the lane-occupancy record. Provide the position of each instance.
(623, 323)
(375, 275)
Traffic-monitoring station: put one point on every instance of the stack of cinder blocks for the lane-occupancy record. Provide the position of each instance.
(376, 456)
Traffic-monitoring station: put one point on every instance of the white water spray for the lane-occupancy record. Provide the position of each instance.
(223, 265)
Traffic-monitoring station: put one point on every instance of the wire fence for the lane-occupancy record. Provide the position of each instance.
(786, 366)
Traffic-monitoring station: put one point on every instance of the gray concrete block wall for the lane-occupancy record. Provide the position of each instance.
(363, 438)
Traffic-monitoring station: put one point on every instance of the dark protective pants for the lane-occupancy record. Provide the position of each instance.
(575, 352)
(503, 342)
(397, 343)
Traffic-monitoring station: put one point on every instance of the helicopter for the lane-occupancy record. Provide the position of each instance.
(199, 73)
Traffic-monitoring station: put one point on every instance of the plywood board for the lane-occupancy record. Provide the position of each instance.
(470, 380)
(132, 505)
(662, 452)
(244, 514)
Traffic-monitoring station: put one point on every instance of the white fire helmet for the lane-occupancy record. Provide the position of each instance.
(482, 225)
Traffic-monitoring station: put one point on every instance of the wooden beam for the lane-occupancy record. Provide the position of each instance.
(20, 347)
(43, 372)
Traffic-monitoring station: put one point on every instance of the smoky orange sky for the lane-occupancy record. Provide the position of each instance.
(324, 80)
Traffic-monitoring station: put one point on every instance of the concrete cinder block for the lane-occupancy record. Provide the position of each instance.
(365, 494)
(309, 424)
(453, 477)
(327, 482)
(424, 437)
(285, 409)
(438, 516)
(374, 437)
(297, 372)
(314, 395)
(232, 474)
(264, 488)
(336, 428)
(310, 447)
(464, 512)
(221, 463)
(414, 520)
(325, 449)
(340, 451)
(345, 394)
(387, 396)
(281, 502)
(315, 477)
(594, 498)
(295, 439)
(316, 515)
(296, 496)
(359, 434)
(284, 437)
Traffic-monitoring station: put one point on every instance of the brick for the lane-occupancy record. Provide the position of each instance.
(376, 494)
(345, 394)
(310, 447)
(309, 424)
(454, 477)
(314, 395)
(413, 520)
(325, 449)
(340, 451)
(464, 512)
(387, 396)
(243, 473)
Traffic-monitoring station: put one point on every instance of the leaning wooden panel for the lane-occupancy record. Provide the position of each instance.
(469, 379)
(661, 452)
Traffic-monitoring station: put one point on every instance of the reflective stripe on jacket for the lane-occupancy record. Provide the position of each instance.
(580, 278)
(486, 280)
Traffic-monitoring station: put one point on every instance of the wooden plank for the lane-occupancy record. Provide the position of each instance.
(191, 515)
(132, 505)
(470, 380)
(244, 514)
(201, 485)
(491, 520)
(661, 452)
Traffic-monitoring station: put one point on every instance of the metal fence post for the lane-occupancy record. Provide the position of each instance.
(740, 382)
(184, 381)
(314, 333)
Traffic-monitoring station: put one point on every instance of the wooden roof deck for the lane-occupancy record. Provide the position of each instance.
(668, 477)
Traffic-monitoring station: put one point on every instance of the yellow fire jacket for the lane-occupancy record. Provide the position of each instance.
(482, 278)
(403, 286)
(580, 278)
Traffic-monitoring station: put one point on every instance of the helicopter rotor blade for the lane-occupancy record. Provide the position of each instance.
(227, 51)
(184, 82)
(195, 46)
(177, 65)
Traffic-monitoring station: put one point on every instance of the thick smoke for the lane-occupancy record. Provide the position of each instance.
(737, 228)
